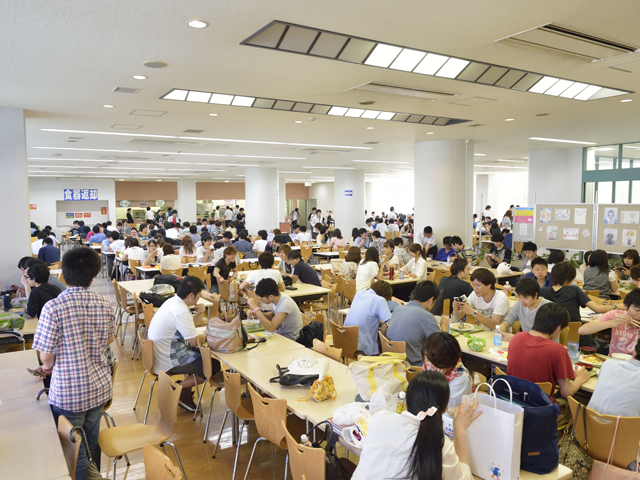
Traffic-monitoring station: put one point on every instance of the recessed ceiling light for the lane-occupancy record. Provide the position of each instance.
(121, 179)
(430, 133)
(514, 161)
(509, 119)
(480, 154)
(298, 121)
(626, 100)
(378, 161)
(154, 64)
(561, 141)
(226, 181)
(213, 114)
(107, 106)
(370, 128)
(197, 24)
(527, 158)
(159, 180)
(140, 77)
(332, 168)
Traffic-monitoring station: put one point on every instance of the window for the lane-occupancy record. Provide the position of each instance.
(622, 192)
(605, 189)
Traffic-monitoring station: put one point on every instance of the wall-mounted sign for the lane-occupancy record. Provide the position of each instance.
(68, 215)
(87, 214)
(159, 203)
(348, 193)
(78, 215)
(33, 206)
(74, 194)
(125, 203)
(103, 210)
(143, 204)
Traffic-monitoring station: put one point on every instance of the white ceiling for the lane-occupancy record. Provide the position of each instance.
(60, 61)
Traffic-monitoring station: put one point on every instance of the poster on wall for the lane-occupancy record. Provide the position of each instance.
(78, 215)
(69, 214)
(611, 216)
(629, 217)
(159, 203)
(552, 233)
(523, 215)
(545, 215)
(580, 216)
(563, 214)
(570, 234)
(611, 237)
(628, 238)
(87, 214)
(523, 229)
(103, 210)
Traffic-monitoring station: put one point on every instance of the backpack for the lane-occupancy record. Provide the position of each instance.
(169, 279)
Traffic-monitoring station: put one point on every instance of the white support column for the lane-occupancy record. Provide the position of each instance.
(349, 197)
(282, 200)
(186, 204)
(443, 179)
(261, 196)
(14, 195)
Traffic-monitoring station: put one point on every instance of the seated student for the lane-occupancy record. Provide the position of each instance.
(349, 268)
(486, 305)
(407, 228)
(484, 230)
(295, 233)
(388, 260)
(37, 245)
(525, 309)
(466, 253)
(618, 387)
(413, 445)
(91, 233)
(400, 252)
(225, 267)
(193, 233)
(143, 235)
(417, 266)
(261, 244)
(378, 241)
(23, 264)
(266, 262)
(118, 242)
(446, 251)
(187, 250)
(494, 228)
(530, 251)
(555, 256)
(537, 357)
(441, 353)
(170, 261)
(368, 225)
(285, 318)
(38, 290)
(368, 269)
(413, 322)
(455, 285)
(283, 267)
(630, 258)
(300, 270)
(381, 226)
(51, 235)
(218, 251)
(337, 240)
(539, 272)
(243, 245)
(393, 226)
(634, 273)
(303, 236)
(499, 252)
(322, 237)
(363, 239)
(85, 232)
(597, 275)
(133, 252)
(623, 324)
(153, 254)
(205, 253)
(368, 310)
(48, 252)
(174, 332)
(73, 231)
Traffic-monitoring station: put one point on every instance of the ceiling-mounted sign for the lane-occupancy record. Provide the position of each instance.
(75, 194)
(159, 203)
(125, 203)
(348, 193)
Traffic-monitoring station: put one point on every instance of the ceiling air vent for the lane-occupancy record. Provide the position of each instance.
(571, 42)
(126, 90)
(476, 125)
(191, 130)
(163, 142)
(415, 93)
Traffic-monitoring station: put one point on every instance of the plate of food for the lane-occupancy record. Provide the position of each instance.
(594, 359)
(462, 327)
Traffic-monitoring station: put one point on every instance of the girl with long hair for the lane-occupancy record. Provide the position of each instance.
(597, 275)
(188, 249)
(369, 269)
(417, 266)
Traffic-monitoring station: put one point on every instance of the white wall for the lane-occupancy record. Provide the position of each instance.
(480, 194)
(350, 208)
(392, 191)
(555, 176)
(324, 195)
(44, 192)
(186, 203)
(504, 190)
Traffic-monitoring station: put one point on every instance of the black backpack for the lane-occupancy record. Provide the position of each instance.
(169, 279)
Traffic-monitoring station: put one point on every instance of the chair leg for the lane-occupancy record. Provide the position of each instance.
(140, 389)
(195, 414)
(149, 402)
(224, 420)
(124, 332)
(286, 466)
(195, 380)
(206, 429)
(250, 458)
(114, 467)
(175, 450)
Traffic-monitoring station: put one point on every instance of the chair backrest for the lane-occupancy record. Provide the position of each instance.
(147, 353)
(269, 413)
(517, 246)
(168, 398)
(389, 346)
(324, 248)
(326, 350)
(115, 290)
(342, 254)
(546, 387)
(446, 307)
(349, 289)
(223, 289)
(147, 312)
(345, 338)
(199, 272)
(516, 327)
(388, 235)
(122, 297)
(592, 293)
(573, 335)
(499, 371)
(207, 367)
(600, 430)
(133, 264)
(70, 448)
(439, 273)
(177, 271)
(412, 372)
(232, 391)
(305, 462)
(327, 276)
(55, 265)
(340, 285)
(564, 334)
(241, 255)
(306, 251)
(158, 466)
(243, 267)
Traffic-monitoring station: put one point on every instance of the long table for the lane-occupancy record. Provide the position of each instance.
(139, 286)
(28, 438)
(500, 277)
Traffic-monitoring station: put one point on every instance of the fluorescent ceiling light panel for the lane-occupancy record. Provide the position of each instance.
(171, 153)
(573, 90)
(202, 97)
(480, 154)
(370, 114)
(239, 101)
(217, 98)
(354, 112)
(331, 168)
(382, 55)
(561, 141)
(588, 92)
(379, 161)
(304, 40)
(338, 111)
(559, 87)
(515, 161)
(543, 85)
(177, 95)
(385, 116)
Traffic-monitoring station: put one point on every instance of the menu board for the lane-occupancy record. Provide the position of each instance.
(567, 226)
(618, 227)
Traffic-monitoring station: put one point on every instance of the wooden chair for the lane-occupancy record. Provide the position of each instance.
(239, 406)
(389, 346)
(118, 441)
(345, 338)
(70, 442)
(517, 246)
(349, 289)
(306, 252)
(439, 273)
(546, 387)
(224, 291)
(592, 293)
(147, 316)
(158, 466)
(132, 267)
(306, 462)
(327, 351)
(600, 431)
(412, 372)
(177, 272)
(106, 415)
(271, 422)
(340, 290)
(446, 307)
(55, 265)
(125, 308)
(516, 327)
(199, 272)
(241, 255)
(388, 235)
(342, 254)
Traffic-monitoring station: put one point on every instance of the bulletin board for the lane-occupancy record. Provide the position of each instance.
(618, 227)
(567, 226)
(90, 211)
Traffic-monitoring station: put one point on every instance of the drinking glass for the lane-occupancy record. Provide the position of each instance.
(574, 351)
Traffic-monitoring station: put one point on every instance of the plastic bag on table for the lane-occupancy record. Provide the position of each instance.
(349, 413)
(383, 399)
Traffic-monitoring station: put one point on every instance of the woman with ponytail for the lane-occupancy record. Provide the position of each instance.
(412, 445)
(417, 266)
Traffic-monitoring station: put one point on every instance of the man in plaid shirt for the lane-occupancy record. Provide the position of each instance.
(73, 332)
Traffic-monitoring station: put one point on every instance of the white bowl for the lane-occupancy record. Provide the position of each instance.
(622, 356)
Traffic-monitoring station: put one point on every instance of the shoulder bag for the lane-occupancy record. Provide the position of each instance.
(336, 468)
(571, 453)
(290, 380)
(608, 471)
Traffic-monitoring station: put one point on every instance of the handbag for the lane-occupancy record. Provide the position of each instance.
(336, 468)
(571, 453)
(608, 471)
(504, 268)
(227, 337)
(155, 299)
(539, 451)
(287, 379)
(370, 373)
(321, 390)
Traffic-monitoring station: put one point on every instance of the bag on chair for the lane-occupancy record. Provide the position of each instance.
(608, 471)
(370, 373)
(336, 468)
(571, 453)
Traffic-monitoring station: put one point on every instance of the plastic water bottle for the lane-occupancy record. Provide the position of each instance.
(6, 302)
(497, 336)
(400, 405)
(507, 288)
(447, 419)
(304, 440)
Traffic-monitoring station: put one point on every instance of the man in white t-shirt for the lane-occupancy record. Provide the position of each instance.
(205, 253)
(261, 243)
(303, 236)
(228, 216)
(175, 338)
(381, 226)
(285, 317)
(393, 227)
(392, 214)
(487, 211)
(486, 306)
(368, 226)
(428, 240)
(149, 214)
(37, 245)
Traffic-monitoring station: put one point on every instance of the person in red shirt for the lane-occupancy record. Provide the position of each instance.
(535, 355)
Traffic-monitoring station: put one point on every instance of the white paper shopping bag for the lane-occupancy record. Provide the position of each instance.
(494, 439)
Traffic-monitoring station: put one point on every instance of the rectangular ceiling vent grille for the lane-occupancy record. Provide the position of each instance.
(126, 90)
(162, 142)
(192, 130)
(571, 42)
(414, 93)
(313, 151)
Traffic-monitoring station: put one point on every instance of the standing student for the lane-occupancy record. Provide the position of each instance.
(526, 308)
(228, 217)
(487, 212)
(540, 272)
(507, 219)
(485, 306)
(597, 275)
(129, 216)
(295, 217)
(302, 271)
(368, 269)
(368, 310)
(428, 241)
(417, 266)
(285, 317)
(499, 252)
(148, 216)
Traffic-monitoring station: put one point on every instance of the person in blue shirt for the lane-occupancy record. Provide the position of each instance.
(368, 310)
(446, 251)
(98, 236)
(243, 245)
(48, 252)
(540, 271)
(475, 221)
(362, 241)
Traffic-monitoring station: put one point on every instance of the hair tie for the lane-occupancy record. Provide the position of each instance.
(429, 413)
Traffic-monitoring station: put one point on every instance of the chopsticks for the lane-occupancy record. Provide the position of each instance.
(635, 323)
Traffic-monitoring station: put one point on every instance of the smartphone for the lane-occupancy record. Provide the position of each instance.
(35, 373)
(290, 288)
